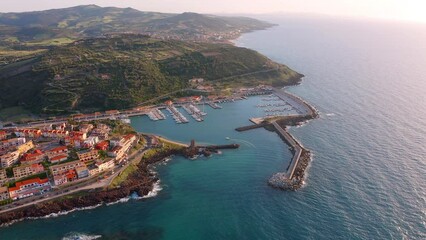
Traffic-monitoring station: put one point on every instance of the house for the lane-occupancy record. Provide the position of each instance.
(108, 164)
(55, 133)
(28, 133)
(88, 155)
(58, 159)
(73, 141)
(27, 170)
(61, 150)
(3, 175)
(35, 157)
(3, 135)
(4, 193)
(79, 135)
(104, 145)
(82, 172)
(28, 188)
(64, 167)
(9, 159)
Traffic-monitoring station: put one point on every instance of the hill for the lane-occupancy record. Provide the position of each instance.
(120, 71)
(93, 21)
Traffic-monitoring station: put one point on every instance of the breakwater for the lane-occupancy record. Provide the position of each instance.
(293, 177)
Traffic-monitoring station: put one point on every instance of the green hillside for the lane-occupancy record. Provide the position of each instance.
(93, 21)
(123, 70)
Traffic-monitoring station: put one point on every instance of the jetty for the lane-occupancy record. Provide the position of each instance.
(177, 116)
(214, 105)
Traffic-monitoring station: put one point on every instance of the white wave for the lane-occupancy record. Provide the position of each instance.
(61, 213)
(121, 200)
(154, 192)
(306, 176)
(80, 236)
(330, 114)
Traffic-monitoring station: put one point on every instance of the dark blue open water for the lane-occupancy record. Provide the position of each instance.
(367, 179)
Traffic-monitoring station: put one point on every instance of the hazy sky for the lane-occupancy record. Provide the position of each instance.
(412, 10)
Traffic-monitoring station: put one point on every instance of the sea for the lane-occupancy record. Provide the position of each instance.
(367, 178)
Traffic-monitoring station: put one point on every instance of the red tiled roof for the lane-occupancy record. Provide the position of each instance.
(57, 149)
(27, 182)
(59, 157)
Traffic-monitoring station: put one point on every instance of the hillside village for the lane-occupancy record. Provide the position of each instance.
(37, 161)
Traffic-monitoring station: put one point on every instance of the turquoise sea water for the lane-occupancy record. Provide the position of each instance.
(367, 179)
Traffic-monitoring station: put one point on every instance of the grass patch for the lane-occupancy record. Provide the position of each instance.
(123, 175)
(15, 114)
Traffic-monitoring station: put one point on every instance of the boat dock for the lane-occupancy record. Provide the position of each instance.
(214, 105)
(156, 115)
(297, 103)
(195, 112)
(177, 116)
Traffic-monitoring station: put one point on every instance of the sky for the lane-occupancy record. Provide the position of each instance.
(407, 10)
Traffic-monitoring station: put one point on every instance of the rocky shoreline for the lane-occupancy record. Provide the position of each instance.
(141, 182)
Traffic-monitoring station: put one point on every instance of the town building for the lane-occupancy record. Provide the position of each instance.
(9, 159)
(55, 133)
(88, 155)
(28, 188)
(79, 135)
(91, 141)
(105, 165)
(11, 143)
(58, 159)
(27, 170)
(61, 150)
(104, 145)
(4, 193)
(76, 142)
(86, 128)
(93, 170)
(82, 172)
(23, 148)
(3, 135)
(64, 167)
(28, 133)
(36, 157)
(117, 152)
(3, 175)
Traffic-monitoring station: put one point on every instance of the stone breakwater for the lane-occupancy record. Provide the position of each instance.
(141, 182)
(280, 180)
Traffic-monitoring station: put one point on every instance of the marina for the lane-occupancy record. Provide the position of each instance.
(194, 111)
(177, 116)
(214, 105)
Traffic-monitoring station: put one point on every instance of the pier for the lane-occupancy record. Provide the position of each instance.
(214, 105)
(177, 116)
(196, 113)
(295, 146)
